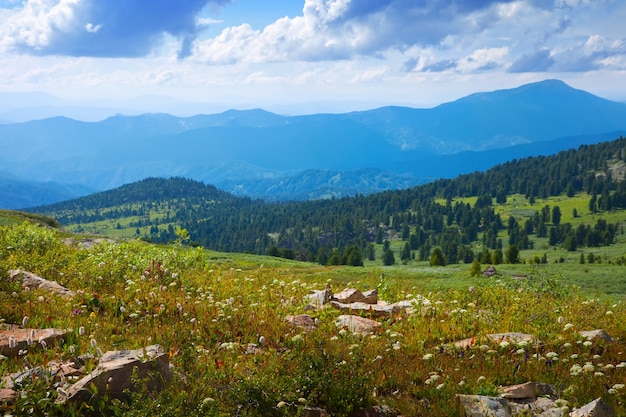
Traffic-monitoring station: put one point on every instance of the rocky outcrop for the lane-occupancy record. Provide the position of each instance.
(511, 337)
(597, 334)
(113, 374)
(481, 406)
(526, 390)
(15, 340)
(31, 281)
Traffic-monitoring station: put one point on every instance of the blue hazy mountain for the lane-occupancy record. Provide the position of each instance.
(240, 150)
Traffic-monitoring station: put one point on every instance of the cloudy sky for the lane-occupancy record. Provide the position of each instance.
(299, 56)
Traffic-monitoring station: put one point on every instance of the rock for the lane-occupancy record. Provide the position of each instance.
(527, 390)
(376, 310)
(303, 321)
(32, 281)
(348, 296)
(513, 337)
(490, 271)
(356, 324)
(482, 406)
(7, 395)
(113, 374)
(596, 334)
(317, 299)
(21, 337)
(374, 411)
(596, 408)
(371, 296)
(540, 407)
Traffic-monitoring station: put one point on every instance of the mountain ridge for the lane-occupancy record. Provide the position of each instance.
(400, 140)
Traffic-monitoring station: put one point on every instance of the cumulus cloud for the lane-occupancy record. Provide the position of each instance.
(342, 29)
(100, 28)
(537, 61)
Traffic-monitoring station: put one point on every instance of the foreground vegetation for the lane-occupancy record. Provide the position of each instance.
(206, 307)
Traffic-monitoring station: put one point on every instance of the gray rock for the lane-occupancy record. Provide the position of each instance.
(32, 281)
(596, 334)
(596, 408)
(114, 371)
(482, 406)
(376, 310)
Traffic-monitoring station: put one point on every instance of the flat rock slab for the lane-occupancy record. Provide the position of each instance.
(540, 407)
(303, 321)
(114, 371)
(356, 324)
(32, 281)
(527, 390)
(21, 338)
(376, 310)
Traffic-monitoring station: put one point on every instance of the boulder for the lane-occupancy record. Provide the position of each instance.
(348, 296)
(597, 334)
(356, 324)
(483, 406)
(303, 321)
(596, 408)
(114, 371)
(32, 281)
(527, 390)
(14, 340)
(539, 407)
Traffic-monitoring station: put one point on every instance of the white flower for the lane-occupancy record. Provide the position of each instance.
(588, 367)
(575, 370)
(81, 330)
(25, 321)
(12, 342)
(568, 326)
(427, 356)
(93, 343)
(481, 379)
(504, 344)
(440, 386)
(587, 343)
(552, 355)
(560, 320)
(618, 387)
(396, 346)
(281, 404)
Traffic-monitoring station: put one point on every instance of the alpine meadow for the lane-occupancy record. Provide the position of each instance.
(312, 208)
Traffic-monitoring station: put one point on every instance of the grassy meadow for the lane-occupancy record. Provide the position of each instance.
(206, 307)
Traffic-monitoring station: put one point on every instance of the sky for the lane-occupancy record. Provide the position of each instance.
(307, 56)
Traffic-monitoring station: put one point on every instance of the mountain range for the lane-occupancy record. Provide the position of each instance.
(270, 156)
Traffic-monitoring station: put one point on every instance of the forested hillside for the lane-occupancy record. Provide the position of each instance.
(446, 221)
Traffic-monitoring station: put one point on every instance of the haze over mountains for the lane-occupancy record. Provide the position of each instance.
(276, 157)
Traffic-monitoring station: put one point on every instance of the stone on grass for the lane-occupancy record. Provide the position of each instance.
(303, 321)
(115, 371)
(527, 390)
(596, 408)
(483, 406)
(32, 281)
(376, 310)
(318, 298)
(22, 337)
(356, 324)
(597, 334)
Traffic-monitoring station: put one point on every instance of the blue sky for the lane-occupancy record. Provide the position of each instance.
(302, 56)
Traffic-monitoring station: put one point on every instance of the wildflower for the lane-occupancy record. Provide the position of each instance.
(481, 379)
(25, 321)
(43, 343)
(567, 345)
(396, 346)
(101, 264)
(93, 343)
(427, 356)
(609, 313)
(504, 344)
(621, 365)
(72, 349)
(472, 289)
(461, 383)
(588, 367)
(281, 404)
(297, 338)
(334, 338)
(574, 356)
(122, 309)
(598, 374)
(3, 358)
(618, 387)
(81, 330)
(440, 386)
(208, 400)
(552, 355)
(568, 326)
(587, 343)
(560, 320)
(12, 342)
(575, 370)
